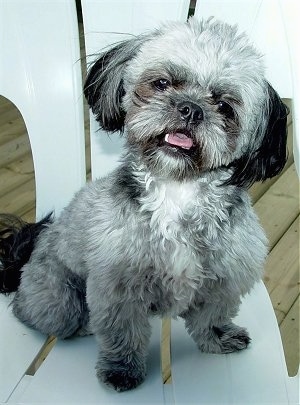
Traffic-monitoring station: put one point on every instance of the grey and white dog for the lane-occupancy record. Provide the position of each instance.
(171, 232)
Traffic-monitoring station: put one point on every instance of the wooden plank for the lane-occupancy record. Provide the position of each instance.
(288, 103)
(289, 329)
(88, 159)
(11, 130)
(280, 315)
(41, 356)
(5, 104)
(165, 351)
(29, 216)
(14, 149)
(285, 294)
(20, 200)
(10, 180)
(22, 165)
(283, 257)
(11, 121)
(11, 114)
(7, 107)
(279, 207)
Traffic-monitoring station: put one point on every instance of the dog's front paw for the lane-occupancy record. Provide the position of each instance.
(232, 338)
(122, 377)
(225, 339)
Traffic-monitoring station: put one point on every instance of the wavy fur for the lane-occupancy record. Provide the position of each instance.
(171, 232)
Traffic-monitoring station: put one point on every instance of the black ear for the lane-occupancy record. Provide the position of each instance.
(104, 89)
(269, 158)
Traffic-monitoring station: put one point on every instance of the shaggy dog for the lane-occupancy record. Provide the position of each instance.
(171, 231)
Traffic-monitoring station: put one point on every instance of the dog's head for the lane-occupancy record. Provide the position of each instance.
(192, 97)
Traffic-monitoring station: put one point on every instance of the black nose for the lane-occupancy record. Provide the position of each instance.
(190, 112)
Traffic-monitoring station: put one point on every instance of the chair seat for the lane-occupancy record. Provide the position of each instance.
(254, 376)
(257, 375)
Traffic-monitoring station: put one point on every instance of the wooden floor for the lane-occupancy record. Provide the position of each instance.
(276, 202)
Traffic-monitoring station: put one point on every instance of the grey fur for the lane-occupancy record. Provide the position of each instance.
(166, 233)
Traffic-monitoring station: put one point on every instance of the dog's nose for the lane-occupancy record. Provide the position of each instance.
(190, 112)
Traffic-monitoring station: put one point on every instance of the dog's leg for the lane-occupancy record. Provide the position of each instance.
(123, 338)
(51, 299)
(211, 327)
(123, 331)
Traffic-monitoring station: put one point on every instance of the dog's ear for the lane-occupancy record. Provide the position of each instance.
(104, 89)
(268, 159)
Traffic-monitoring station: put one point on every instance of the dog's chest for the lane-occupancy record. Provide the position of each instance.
(170, 245)
(168, 204)
(180, 222)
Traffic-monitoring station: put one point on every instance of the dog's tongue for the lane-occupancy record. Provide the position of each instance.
(179, 139)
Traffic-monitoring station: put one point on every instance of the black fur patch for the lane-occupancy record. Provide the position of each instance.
(269, 159)
(17, 240)
(96, 92)
(104, 88)
(126, 185)
(103, 92)
(123, 375)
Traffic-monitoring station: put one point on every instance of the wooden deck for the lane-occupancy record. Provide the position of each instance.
(276, 202)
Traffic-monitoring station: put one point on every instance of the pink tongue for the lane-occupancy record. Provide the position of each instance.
(179, 139)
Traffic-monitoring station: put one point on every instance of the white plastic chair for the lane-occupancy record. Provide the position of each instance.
(40, 73)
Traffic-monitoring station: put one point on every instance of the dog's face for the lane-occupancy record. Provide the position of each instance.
(193, 98)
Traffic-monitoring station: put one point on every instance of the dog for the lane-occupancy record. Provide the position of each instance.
(171, 231)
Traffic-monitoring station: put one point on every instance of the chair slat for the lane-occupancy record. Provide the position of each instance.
(19, 346)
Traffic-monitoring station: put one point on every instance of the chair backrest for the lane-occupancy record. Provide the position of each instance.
(40, 72)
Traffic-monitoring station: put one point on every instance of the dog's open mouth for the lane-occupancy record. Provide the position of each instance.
(179, 139)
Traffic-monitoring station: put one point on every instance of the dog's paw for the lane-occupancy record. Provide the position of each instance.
(232, 338)
(225, 339)
(121, 378)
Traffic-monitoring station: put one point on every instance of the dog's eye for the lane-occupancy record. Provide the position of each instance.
(225, 109)
(161, 84)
